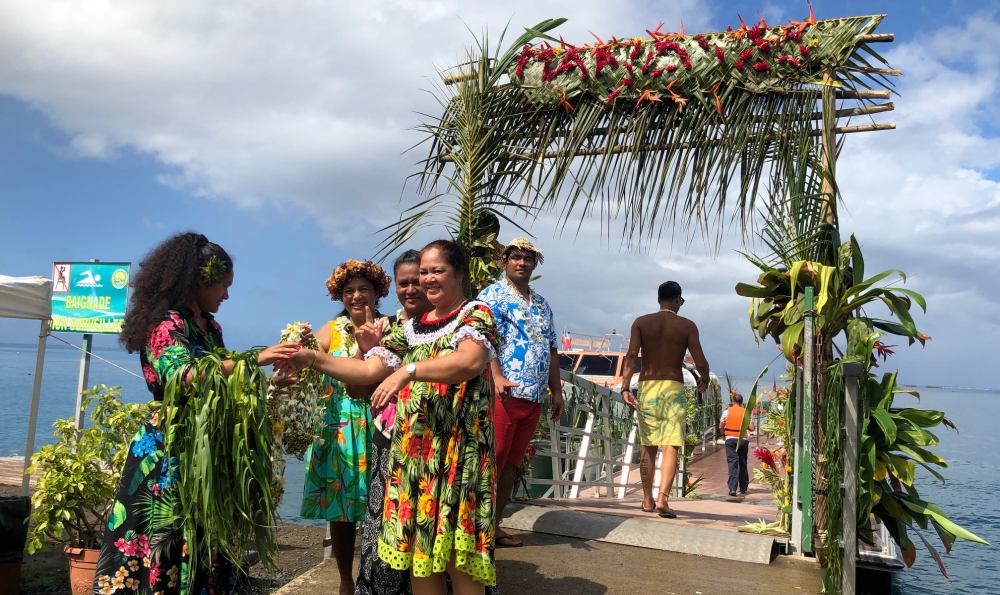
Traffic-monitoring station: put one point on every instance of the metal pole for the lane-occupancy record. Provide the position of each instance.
(88, 345)
(36, 393)
(805, 474)
(852, 374)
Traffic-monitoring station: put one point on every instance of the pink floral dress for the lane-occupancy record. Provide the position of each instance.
(142, 551)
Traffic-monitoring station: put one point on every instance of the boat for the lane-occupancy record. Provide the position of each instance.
(600, 359)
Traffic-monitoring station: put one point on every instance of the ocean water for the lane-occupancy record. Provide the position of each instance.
(970, 496)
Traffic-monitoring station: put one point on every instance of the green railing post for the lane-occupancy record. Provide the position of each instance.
(803, 467)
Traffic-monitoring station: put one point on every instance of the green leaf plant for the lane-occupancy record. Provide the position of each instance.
(78, 474)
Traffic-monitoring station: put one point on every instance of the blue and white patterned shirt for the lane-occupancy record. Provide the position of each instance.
(527, 336)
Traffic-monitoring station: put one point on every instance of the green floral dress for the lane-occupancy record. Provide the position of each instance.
(440, 488)
(143, 552)
(336, 483)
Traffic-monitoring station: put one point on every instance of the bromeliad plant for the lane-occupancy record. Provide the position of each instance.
(78, 474)
(219, 431)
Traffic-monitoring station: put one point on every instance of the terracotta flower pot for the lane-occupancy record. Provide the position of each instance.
(82, 568)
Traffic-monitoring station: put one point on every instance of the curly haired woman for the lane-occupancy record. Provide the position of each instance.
(170, 322)
(336, 483)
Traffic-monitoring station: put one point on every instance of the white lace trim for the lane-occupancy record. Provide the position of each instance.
(390, 359)
(412, 338)
(467, 332)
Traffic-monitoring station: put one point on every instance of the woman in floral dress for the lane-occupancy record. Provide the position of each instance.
(375, 577)
(438, 509)
(170, 322)
(336, 482)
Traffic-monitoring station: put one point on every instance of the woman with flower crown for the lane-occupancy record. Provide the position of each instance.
(336, 482)
(170, 321)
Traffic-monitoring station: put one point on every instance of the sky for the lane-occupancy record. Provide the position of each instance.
(280, 130)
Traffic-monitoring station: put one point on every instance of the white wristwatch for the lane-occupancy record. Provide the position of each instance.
(411, 369)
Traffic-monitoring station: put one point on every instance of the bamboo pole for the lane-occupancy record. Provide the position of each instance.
(675, 146)
(829, 133)
(878, 38)
(867, 70)
(863, 94)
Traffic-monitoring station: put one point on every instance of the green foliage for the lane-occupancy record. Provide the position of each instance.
(894, 441)
(777, 301)
(219, 431)
(78, 474)
(471, 191)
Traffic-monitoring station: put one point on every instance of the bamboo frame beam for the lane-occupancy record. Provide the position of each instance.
(858, 111)
(878, 38)
(863, 94)
(882, 71)
(672, 146)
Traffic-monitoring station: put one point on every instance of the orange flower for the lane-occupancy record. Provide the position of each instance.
(427, 506)
(363, 463)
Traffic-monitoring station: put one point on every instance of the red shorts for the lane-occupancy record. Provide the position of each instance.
(514, 424)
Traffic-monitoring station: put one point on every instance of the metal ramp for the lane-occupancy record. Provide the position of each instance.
(713, 543)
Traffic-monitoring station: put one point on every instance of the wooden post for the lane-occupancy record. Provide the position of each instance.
(853, 372)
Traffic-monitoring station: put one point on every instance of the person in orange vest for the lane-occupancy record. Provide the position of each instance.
(729, 425)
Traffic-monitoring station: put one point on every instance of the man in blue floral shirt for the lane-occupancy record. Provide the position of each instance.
(522, 372)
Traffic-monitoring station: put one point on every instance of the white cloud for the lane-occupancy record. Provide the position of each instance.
(305, 106)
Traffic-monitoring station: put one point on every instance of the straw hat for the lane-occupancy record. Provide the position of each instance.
(526, 245)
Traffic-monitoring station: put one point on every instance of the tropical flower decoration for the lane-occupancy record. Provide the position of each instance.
(355, 268)
(213, 271)
(294, 412)
(678, 67)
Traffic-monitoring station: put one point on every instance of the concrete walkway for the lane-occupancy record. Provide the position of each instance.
(554, 565)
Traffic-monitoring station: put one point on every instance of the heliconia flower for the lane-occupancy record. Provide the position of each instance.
(745, 55)
(702, 41)
(761, 66)
(526, 54)
(789, 60)
(765, 456)
(794, 35)
(720, 55)
(636, 49)
(762, 45)
(803, 50)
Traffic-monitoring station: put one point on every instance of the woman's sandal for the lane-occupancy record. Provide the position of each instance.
(644, 509)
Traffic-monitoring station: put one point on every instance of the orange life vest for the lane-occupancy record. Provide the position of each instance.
(734, 421)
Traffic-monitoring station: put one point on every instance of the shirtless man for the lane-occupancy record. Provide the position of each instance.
(663, 338)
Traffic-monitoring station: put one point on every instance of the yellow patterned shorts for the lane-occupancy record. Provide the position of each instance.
(661, 413)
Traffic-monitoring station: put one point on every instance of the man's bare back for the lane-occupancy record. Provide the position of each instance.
(663, 339)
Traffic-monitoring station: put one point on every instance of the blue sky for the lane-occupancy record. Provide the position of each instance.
(270, 129)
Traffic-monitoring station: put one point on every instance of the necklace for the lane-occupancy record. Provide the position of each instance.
(532, 314)
(667, 310)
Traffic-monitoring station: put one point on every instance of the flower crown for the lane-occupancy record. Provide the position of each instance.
(214, 271)
(351, 269)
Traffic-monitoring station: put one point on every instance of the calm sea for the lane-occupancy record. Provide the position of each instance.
(970, 497)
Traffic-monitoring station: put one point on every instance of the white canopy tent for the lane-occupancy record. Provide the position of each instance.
(29, 298)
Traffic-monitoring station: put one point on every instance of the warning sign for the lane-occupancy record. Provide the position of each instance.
(89, 297)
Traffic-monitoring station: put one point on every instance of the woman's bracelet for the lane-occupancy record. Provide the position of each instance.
(315, 357)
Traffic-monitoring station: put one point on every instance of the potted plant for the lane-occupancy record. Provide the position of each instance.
(77, 477)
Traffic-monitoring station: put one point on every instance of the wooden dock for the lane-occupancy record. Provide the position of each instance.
(12, 471)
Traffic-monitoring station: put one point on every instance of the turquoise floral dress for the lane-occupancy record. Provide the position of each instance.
(143, 552)
(440, 489)
(336, 483)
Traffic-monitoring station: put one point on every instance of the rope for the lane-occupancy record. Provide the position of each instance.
(92, 354)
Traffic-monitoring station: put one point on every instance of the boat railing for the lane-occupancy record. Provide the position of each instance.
(594, 444)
